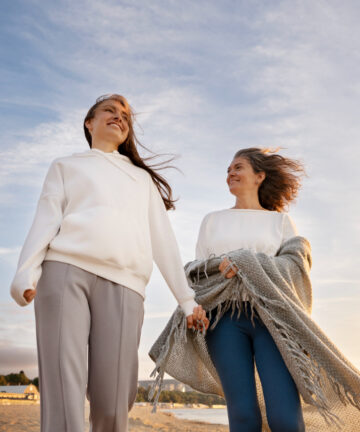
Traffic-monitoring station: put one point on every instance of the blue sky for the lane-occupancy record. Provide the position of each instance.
(206, 79)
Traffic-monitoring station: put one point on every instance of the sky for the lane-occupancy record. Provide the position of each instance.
(206, 79)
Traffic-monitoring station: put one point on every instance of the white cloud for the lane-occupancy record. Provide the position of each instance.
(206, 81)
(9, 251)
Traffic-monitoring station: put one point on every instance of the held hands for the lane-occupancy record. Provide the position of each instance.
(194, 320)
(224, 263)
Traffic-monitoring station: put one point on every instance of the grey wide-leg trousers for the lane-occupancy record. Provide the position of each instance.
(88, 332)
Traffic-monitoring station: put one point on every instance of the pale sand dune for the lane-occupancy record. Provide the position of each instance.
(26, 418)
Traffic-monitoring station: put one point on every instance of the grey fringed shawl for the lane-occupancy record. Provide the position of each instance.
(279, 289)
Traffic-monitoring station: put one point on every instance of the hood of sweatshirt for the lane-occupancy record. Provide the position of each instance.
(119, 160)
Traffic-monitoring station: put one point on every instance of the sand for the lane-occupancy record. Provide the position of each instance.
(26, 418)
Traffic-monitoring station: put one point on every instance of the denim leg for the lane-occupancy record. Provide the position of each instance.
(283, 408)
(230, 348)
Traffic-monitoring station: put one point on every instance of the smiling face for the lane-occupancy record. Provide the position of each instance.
(241, 177)
(110, 123)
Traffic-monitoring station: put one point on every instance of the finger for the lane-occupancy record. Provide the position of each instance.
(230, 274)
(203, 316)
(203, 321)
(206, 322)
(194, 315)
(189, 321)
(26, 294)
(223, 264)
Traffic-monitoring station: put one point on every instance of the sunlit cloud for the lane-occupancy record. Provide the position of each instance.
(206, 80)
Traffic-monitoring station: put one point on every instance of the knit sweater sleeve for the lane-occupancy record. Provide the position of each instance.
(166, 252)
(289, 228)
(44, 227)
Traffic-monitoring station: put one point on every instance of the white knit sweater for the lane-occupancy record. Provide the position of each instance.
(230, 229)
(100, 212)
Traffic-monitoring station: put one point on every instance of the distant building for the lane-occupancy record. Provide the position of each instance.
(168, 384)
(19, 392)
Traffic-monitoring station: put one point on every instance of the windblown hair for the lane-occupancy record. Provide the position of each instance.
(283, 176)
(129, 148)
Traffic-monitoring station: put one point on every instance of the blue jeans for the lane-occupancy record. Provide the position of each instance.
(233, 344)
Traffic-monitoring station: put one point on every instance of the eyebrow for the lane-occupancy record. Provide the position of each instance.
(237, 163)
(113, 107)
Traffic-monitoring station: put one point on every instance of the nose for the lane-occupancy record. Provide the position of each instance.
(118, 118)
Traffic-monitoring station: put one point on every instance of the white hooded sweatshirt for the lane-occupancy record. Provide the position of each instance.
(100, 212)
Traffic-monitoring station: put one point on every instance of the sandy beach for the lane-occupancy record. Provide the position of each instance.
(26, 418)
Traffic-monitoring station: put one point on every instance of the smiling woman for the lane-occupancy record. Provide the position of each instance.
(100, 223)
(110, 122)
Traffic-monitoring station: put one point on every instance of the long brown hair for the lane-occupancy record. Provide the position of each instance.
(283, 176)
(129, 148)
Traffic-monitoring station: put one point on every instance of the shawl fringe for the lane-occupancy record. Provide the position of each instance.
(310, 370)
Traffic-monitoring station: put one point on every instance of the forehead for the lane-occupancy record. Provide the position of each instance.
(114, 104)
(239, 160)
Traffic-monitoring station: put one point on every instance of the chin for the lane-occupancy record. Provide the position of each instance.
(117, 138)
(235, 190)
(232, 190)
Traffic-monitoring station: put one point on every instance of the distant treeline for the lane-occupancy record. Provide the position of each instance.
(18, 379)
(177, 396)
(174, 396)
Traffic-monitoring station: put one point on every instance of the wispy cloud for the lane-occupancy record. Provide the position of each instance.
(206, 80)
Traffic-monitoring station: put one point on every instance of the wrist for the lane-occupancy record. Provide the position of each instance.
(188, 306)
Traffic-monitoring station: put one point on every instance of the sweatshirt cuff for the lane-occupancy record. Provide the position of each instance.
(19, 298)
(17, 289)
(188, 306)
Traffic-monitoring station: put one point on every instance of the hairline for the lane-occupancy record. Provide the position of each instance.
(243, 157)
(124, 110)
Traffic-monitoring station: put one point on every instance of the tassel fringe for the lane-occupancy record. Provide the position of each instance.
(309, 369)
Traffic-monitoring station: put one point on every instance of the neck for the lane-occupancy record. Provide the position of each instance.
(105, 146)
(248, 202)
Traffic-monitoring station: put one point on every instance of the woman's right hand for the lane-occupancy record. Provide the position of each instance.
(29, 294)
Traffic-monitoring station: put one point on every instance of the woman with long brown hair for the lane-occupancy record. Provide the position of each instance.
(264, 183)
(100, 222)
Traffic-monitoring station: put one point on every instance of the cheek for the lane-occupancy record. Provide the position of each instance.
(99, 121)
(126, 131)
(239, 176)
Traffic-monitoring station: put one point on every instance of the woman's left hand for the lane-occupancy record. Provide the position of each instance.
(194, 320)
(224, 263)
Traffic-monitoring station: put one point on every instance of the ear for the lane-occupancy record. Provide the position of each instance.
(88, 124)
(261, 176)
